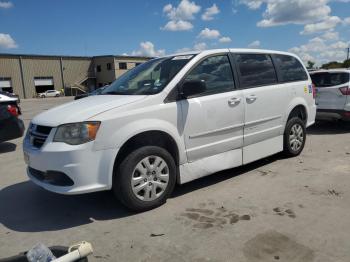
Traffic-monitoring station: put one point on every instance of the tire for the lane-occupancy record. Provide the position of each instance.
(152, 191)
(294, 137)
(57, 95)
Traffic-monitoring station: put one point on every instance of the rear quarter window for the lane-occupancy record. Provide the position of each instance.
(290, 69)
(325, 79)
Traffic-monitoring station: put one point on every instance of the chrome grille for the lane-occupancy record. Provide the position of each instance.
(38, 135)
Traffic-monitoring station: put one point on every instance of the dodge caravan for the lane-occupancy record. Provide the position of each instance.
(172, 120)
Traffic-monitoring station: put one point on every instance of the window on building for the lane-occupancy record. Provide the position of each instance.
(290, 68)
(98, 68)
(109, 66)
(255, 70)
(216, 72)
(123, 66)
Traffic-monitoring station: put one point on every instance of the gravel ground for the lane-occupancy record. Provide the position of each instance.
(276, 209)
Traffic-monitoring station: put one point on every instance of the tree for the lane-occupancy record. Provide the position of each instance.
(346, 63)
(333, 64)
(310, 65)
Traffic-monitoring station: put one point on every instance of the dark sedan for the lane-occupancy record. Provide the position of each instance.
(11, 126)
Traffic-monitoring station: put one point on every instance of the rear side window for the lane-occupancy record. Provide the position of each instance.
(255, 70)
(329, 79)
(290, 68)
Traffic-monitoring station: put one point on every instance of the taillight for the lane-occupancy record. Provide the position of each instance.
(13, 110)
(313, 90)
(345, 90)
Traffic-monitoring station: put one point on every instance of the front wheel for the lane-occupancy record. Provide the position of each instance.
(294, 137)
(145, 178)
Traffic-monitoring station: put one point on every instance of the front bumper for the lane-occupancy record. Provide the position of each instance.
(90, 170)
(326, 114)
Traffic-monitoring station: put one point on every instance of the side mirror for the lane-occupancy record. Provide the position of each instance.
(192, 87)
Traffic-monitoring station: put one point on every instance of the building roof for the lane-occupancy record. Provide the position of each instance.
(70, 56)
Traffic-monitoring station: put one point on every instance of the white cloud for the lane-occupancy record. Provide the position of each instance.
(318, 51)
(7, 42)
(225, 39)
(147, 49)
(340, 45)
(200, 46)
(207, 33)
(254, 44)
(179, 25)
(210, 12)
(6, 5)
(167, 8)
(330, 35)
(252, 4)
(180, 15)
(184, 11)
(328, 23)
(197, 47)
(282, 12)
(346, 21)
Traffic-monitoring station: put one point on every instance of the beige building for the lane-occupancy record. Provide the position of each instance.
(27, 75)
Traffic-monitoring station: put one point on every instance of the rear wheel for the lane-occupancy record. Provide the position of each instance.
(294, 136)
(145, 178)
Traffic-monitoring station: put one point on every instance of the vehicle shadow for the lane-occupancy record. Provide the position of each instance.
(223, 175)
(25, 207)
(329, 128)
(7, 147)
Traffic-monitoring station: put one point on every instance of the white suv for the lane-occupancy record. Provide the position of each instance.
(172, 120)
(332, 93)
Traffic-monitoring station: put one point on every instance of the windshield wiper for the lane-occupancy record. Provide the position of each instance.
(113, 93)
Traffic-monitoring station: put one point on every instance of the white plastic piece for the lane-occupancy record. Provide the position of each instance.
(76, 251)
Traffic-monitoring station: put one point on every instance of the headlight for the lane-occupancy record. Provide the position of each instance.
(77, 133)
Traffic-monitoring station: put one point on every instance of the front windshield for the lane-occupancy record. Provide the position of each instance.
(148, 78)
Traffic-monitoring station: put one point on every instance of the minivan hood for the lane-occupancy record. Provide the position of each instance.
(83, 109)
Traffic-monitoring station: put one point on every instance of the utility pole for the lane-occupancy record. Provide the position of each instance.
(348, 53)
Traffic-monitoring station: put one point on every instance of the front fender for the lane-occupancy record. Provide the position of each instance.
(120, 136)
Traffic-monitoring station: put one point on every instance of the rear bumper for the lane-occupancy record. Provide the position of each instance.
(11, 128)
(326, 114)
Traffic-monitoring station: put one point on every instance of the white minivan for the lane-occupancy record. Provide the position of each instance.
(172, 120)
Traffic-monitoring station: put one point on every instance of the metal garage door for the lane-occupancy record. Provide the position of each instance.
(5, 84)
(43, 84)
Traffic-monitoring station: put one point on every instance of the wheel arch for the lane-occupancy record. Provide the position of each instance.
(299, 109)
(149, 138)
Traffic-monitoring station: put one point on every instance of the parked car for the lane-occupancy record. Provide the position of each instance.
(97, 91)
(172, 120)
(7, 98)
(11, 126)
(49, 93)
(333, 93)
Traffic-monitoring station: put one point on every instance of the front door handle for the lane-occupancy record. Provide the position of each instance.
(234, 101)
(251, 98)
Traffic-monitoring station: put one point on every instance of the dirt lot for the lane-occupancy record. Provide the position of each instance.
(276, 209)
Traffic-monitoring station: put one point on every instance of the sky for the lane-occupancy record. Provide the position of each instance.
(316, 30)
